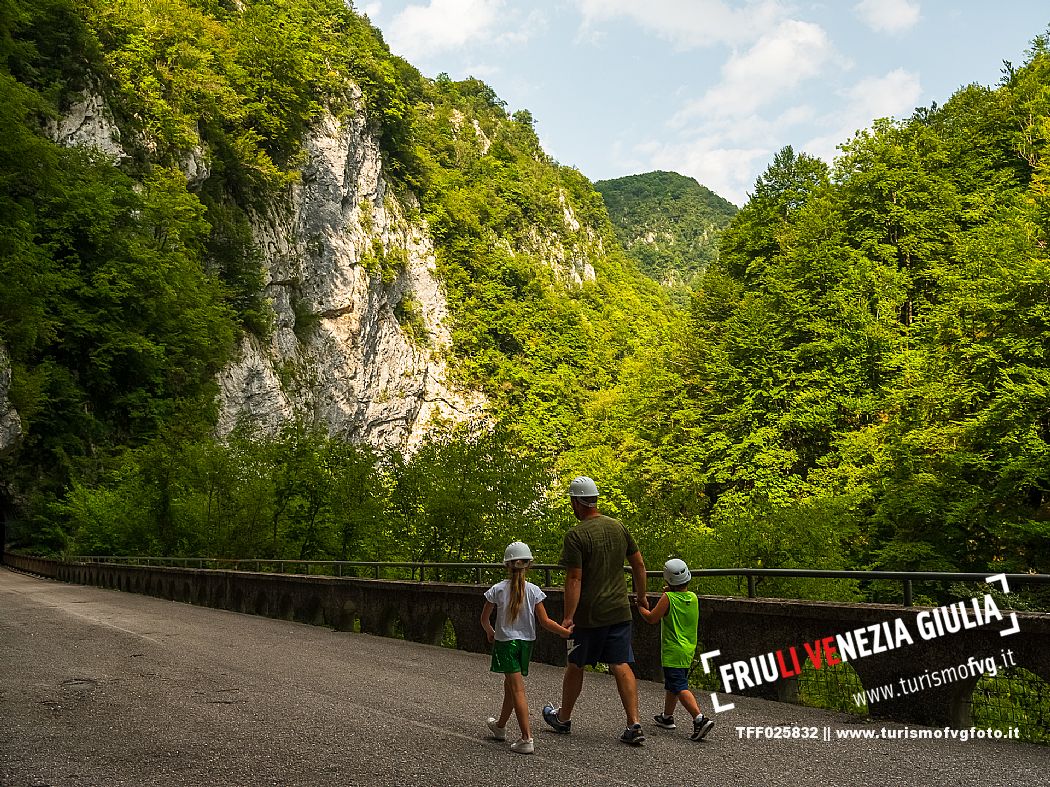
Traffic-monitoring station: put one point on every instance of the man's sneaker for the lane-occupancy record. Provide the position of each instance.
(499, 733)
(633, 735)
(667, 722)
(523, 746)
(550, 715)
(701, 726)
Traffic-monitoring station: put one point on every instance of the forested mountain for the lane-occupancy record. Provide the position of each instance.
(278, 210)
(667, 222)
(865, 380)
(271, 206)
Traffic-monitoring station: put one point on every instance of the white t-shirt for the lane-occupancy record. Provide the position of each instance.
(524, 627)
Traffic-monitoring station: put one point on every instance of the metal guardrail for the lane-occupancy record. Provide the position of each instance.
(905, 577)
(341, 568)
(336, 567)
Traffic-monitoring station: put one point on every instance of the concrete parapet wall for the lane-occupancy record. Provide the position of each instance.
(420, 611)
(738, 628)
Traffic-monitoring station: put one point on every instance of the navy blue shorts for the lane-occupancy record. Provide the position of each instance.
(607, 644)
(676, 679)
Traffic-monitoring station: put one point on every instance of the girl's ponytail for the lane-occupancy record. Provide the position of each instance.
(517, 587)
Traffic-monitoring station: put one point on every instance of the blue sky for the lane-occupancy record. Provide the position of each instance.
(708, 88)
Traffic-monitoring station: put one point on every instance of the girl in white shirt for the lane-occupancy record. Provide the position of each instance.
(518, 605)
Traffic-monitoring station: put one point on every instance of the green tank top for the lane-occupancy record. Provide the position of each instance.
(678, 629)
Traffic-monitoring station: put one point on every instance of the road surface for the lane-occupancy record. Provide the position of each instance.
(99, 687)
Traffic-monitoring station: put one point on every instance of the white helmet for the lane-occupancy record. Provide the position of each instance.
(676, 572)
(517, 550)
(582, 486)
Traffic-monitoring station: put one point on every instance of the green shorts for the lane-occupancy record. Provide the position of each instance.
(511, 655)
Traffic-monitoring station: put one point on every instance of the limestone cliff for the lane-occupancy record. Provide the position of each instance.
(10, 424)
(360, 322)
(88, 123)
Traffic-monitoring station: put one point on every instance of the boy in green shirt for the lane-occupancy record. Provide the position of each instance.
(678, 612)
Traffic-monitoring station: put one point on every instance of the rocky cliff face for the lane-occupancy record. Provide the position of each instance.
(10, 424)
(88, 123)
(360, 324)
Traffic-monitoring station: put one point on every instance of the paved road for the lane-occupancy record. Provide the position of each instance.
(99, 687)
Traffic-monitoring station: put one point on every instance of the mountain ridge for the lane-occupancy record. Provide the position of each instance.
(668, 223)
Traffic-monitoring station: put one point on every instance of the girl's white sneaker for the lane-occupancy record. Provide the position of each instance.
(499, 733)
(523, 746)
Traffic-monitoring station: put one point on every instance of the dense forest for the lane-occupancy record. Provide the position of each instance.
(859, 376)
(668, 223)
(865, 377)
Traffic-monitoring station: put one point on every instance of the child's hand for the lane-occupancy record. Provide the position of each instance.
(567, 630)
(490, 635)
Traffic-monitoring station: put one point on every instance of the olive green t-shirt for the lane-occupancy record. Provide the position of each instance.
(599, 546)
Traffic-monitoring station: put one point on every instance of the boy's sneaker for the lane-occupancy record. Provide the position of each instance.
(633, 735)
(701, 726)
(550, 715)
(499, 733)
(667, 722)
(523, 746)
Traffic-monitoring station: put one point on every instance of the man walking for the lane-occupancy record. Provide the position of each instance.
(596, 600)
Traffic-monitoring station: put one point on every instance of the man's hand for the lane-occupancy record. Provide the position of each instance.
(638, 579)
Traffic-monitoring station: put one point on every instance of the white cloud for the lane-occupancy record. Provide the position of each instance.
(895, 94)
(725, 169)
(794, 116)
(486, 72)
(372, 10)
(888, 16)
(521, 28)
(725, 150)
(723, 153)
(422, 30)
(777, 63)
(727, 134)
(689, 23)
